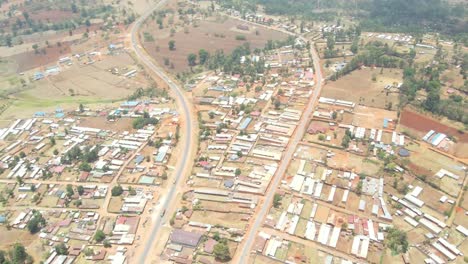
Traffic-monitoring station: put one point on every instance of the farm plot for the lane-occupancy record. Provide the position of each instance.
(359, 87)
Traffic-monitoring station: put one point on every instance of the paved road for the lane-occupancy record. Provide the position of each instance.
(288, 155)
(186, 140)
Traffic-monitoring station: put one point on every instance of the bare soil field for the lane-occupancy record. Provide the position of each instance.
(358, 87)
(10, 237)
(370, 117)
(44, 56)
(121, 124)
(423, 124)
(210, 35)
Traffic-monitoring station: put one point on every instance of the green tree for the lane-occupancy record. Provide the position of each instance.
(117, 190)
(84, 166)
(203, 55)
(99, 236)
(80, 190)
(171, 45)
(397, 241)
(191, 59)
(330, 42)
(277, 200)
(70, 191)
(61, 249)
(35, 223)
(18, 254)
(221, 251)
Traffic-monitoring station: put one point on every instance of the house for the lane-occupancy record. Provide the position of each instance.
(185, 238)
(209, 245)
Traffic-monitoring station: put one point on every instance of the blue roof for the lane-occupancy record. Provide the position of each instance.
(245, 123)
(59, 115)
(403, 152)
(160, 156)
(139, 159)
(385, 123)
(40, 113)
(228, 183)
(38, 76)
(2, 219)
(130, 103)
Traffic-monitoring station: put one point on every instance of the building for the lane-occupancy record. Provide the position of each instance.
(185, 238)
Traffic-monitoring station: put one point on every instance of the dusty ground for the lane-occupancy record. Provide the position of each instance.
(358, 87)
(210, 35)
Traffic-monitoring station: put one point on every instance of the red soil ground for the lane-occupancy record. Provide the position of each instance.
(423, 123)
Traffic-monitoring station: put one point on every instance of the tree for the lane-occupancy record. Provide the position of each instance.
(171, 45)
(99, 236)
(397, 241)
(191, 59)
(70, 191)
(330, 42)
(56, 152)
(81, 107)
(238, 172)
(52, 141)
(34, 225)
(35, 48)
(18, 254)
(61, 249)
(85, 167)
(80, 190)
(203, 55)
(117, 190)
(221, 251)
(277, 200)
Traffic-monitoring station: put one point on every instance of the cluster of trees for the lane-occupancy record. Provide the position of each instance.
(16, 255)
(374, 54)
(346, 139)
(26, 25)
(141, 122)
(88, 155)
(397, 241)
(415, 16)
(221, 249)
(374, 15)
(150, 92)
(36, 222)
(427, 79)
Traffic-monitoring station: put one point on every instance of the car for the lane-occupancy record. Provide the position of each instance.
(163, 213)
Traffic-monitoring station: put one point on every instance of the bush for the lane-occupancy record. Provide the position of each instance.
(99, 236)
(221, 252)
(277, 200)
(117, 190)
(240, 37)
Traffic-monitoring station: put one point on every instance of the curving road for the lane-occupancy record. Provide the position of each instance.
(186, 140)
